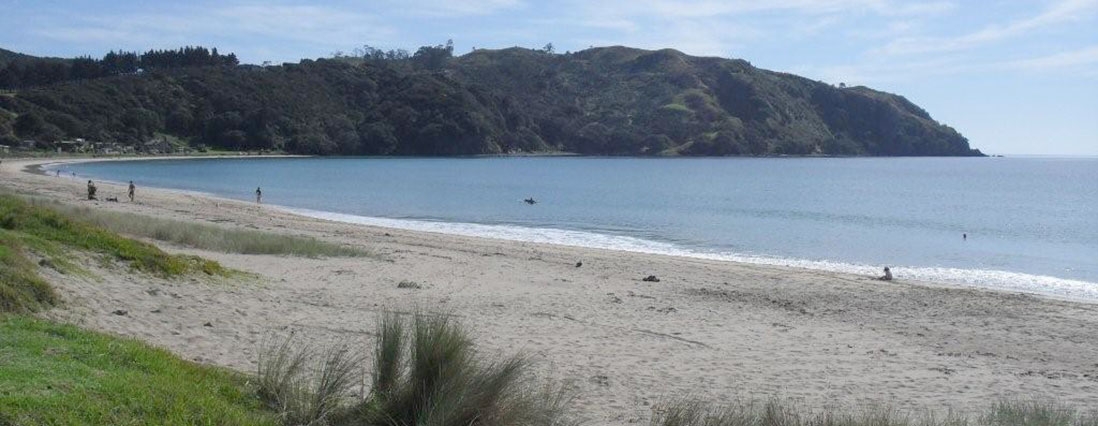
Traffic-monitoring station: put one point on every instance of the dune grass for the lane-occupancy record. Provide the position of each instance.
(425, 372)
(209, 237)
(29, 231)
(304, 387)
(46, 229)
(60, 374)
(778, 413)
(21, 289)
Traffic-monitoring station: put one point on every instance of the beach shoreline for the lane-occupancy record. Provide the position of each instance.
(713, 329)
(1043, 285)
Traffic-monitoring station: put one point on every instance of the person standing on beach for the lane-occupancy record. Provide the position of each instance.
(258, 195)
(91, 190)
(131, 191)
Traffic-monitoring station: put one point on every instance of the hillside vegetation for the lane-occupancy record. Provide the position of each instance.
(600, 101)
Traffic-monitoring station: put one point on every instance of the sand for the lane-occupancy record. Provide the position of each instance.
(708, 329)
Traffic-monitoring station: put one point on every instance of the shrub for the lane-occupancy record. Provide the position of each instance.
(425, 372)
(301, 393)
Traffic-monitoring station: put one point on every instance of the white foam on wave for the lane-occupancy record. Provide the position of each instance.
(978, 278)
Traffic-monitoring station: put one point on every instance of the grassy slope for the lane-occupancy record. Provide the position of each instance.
(28, 230)
(42, 227)
(60, 374)
(21, 289)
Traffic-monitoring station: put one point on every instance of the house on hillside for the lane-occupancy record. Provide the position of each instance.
(72, 146)
(107, 148)
(4, 149)
(158, 146)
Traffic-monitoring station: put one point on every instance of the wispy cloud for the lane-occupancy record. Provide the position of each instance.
(455, 8)
(1077, 63)
(1058, 61)
(1061, 12)
(717, 8)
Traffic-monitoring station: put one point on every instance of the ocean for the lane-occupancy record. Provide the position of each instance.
(1031, 223)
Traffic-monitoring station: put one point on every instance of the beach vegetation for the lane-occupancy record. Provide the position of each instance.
(774, 412)
(303, 387)
(53, 374)
(33, 236)
(425, 371)
(207, 236)
(21, 288)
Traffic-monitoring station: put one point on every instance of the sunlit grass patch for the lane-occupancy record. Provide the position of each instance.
(60, 374)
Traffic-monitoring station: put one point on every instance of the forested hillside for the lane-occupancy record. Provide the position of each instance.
(605, 101)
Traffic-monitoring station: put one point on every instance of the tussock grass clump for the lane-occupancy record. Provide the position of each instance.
(778, 413)
(53, 374)
(305, 388)
(210, 237)
(425, 372)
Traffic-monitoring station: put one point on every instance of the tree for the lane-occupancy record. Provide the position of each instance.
(548, 48)
(434, 57)
(28, 125)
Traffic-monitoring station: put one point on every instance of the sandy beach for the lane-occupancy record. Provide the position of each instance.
(708, 329)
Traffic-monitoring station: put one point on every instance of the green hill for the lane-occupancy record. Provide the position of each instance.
(601, 101)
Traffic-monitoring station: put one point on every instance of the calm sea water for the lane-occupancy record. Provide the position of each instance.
(1032, 223)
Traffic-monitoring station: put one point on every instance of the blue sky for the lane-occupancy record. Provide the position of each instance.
(1015, 77)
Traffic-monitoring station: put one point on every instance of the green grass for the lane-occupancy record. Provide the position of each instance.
(207, 237)
(21, 289)
(305, 387)
(60, 374)
(42, 226)
(29, 231)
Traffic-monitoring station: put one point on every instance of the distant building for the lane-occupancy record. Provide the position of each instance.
(5, 149)
(158, 146)
(71, 146)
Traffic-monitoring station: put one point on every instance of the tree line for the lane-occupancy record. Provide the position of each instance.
(26, 73)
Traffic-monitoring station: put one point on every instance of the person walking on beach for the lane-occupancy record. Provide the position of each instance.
(131, 191)
(91, 190)
(258, 195)
(887, 276)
